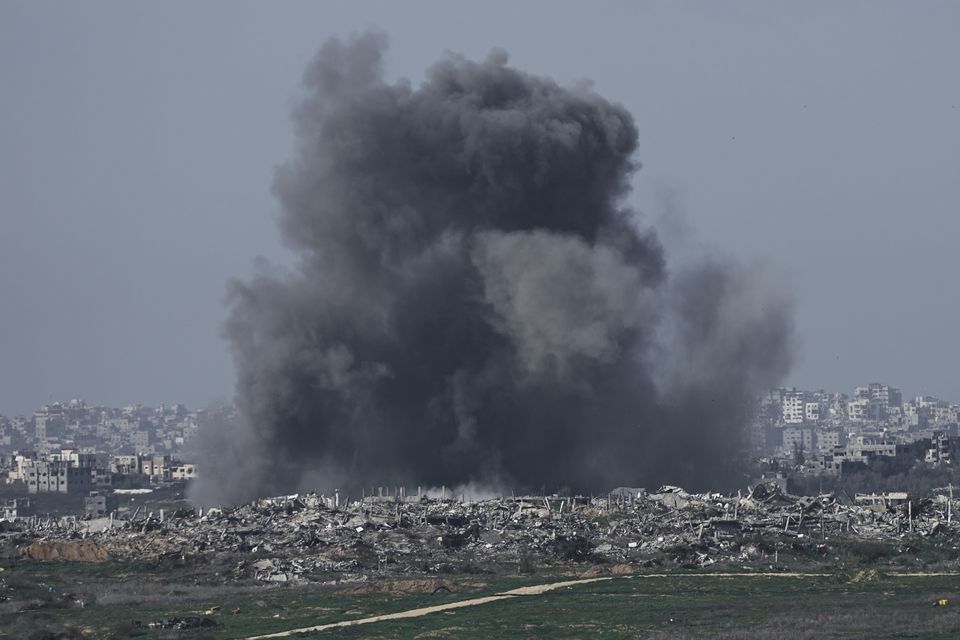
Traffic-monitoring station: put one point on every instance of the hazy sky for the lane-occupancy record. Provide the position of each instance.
(138, 141)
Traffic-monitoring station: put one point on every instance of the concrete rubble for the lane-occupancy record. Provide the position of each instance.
(312, 537)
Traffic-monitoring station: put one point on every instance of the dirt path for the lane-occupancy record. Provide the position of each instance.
(733, 574)
(538, 589)
(788, 574)
(533, 590)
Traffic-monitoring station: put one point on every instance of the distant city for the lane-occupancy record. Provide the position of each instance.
(819, 433)
(92, 451)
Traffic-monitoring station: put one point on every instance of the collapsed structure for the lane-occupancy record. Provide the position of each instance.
(316, 538)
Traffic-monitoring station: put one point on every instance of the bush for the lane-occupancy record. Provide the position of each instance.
(870, 552)
(525, 564)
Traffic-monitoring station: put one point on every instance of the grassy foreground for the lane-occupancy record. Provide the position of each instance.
(42, 600)
(703, 607)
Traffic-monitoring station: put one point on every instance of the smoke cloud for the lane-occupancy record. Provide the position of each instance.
(473, 302)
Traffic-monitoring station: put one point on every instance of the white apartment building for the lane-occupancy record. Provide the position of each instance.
(794, 404)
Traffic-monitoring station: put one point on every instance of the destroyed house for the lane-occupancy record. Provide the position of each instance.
(100, 504)
(183, 471)
(881, 501)
(18, 508)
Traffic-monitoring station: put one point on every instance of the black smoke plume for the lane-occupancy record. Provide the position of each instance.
(473, 301)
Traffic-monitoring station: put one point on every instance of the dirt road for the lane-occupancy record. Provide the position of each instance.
(538, 589)
(533, 590)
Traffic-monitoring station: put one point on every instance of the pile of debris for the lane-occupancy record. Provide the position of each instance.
(188, 622)
(315, 537)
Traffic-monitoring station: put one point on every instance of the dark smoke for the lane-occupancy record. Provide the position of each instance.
(473, 302)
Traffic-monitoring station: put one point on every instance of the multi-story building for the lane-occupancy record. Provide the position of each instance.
(939, 451)
(829, 439)
(157, 467)
(865, 446)
(883, 394)
(17, 462)
(793, 406)
(140, 441)
(798, 439)
(125, 464)
(49, 422)
(813, 411)
(55, 476)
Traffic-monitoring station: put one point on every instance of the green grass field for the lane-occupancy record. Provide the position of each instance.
(42, 597)
(702, 607)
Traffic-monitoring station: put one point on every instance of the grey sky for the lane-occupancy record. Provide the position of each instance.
(137, 144)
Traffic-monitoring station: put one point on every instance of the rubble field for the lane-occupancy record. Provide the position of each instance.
(715, 561)
(313, 538)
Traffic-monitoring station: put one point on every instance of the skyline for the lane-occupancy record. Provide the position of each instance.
(138, 151)
(93, 403)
